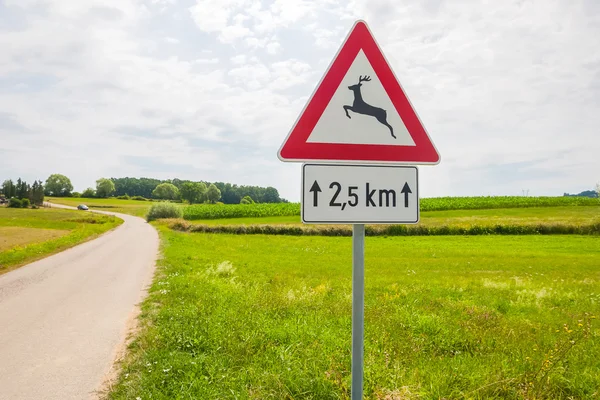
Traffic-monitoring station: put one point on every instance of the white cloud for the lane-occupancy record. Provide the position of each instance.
(273, 47)
(239, 59)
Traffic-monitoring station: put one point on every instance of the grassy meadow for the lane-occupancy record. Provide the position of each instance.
(269, 317)
(27, 234)
(131, 207)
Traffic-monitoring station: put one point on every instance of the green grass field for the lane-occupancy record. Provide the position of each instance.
(269, 317)
(131, 207)
(27, 235)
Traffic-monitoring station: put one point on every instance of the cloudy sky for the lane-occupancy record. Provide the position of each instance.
(204, 89)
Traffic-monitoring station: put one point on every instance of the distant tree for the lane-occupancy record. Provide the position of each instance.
(135, 186)
(22, 189)
(58, 185)
(271, 195)
(166, 191)
(9, 189)
(213, 193)
(88, 193)
(18, 187)
(193, 192)
(104, 187)
(36, 194)
(246, 200)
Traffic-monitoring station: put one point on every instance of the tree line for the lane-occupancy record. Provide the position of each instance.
(21, 194)
(229, 193)
(58, 185)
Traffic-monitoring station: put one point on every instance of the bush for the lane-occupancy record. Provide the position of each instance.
(88, 193)
(139, 198)
(246, 200)
(15, 203)
(76, 194)
(124, 197)
(25, 203)
(163, 210)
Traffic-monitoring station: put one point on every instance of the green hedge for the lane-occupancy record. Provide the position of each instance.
(389, 230)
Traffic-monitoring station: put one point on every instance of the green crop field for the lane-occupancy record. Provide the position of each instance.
(447, 317)
(565, 215)
(132, 207)
(226, 211)
(27, 235)
(220, 211)
(477, 203)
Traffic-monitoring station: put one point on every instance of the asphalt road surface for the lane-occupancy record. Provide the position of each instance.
(63, 318)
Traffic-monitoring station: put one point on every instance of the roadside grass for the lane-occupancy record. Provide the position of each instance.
(28, 235)
(131, 207)
(269, 317)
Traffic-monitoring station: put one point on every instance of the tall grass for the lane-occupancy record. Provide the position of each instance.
(198, 212)
(163, 210)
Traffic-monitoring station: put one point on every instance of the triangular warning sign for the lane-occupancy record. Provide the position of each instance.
(359, 113)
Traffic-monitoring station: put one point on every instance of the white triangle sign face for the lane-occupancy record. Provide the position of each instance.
(335, 126)
(359, 113)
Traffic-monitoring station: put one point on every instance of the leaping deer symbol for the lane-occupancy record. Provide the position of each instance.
(360, 107)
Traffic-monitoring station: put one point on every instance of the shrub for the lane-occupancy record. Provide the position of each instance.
(15, 203)
(163, 210)
(76, 194)
(124, 197)
(246, 200)
(139, 198)
(88, 193)
(25, 203)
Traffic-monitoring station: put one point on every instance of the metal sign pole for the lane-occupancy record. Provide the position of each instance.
(358, 309)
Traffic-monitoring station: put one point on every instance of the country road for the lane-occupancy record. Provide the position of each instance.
(63, 318)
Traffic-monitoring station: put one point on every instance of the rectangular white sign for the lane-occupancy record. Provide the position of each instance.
(359, 194)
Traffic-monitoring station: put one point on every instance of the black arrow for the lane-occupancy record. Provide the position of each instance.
(406, 190)
(316, 189)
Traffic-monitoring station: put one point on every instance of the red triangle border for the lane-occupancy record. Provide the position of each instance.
(296, 147)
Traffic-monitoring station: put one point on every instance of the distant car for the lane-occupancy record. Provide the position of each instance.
(82, 207)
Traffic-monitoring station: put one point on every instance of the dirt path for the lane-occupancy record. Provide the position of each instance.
(63, 318)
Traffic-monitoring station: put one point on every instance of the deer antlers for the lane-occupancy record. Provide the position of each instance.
(365, 79)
